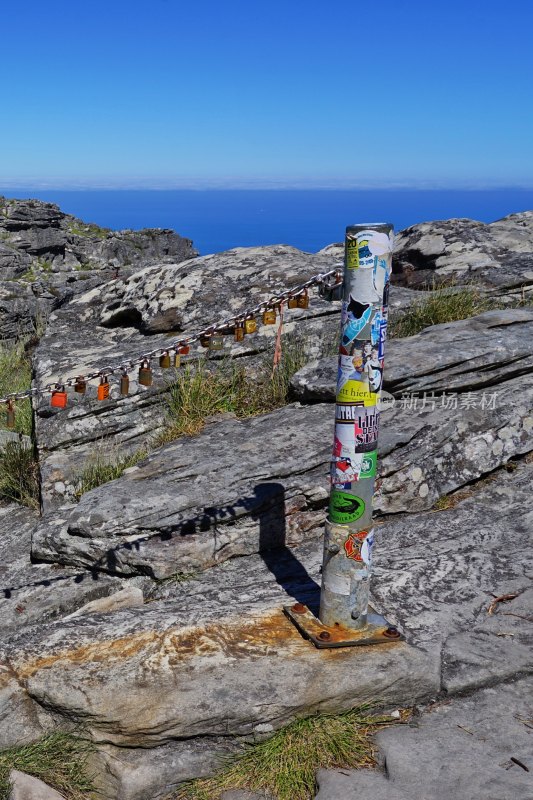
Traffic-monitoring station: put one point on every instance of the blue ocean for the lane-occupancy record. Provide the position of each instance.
(219, 219)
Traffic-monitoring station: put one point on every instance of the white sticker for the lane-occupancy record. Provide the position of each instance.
(339, 583)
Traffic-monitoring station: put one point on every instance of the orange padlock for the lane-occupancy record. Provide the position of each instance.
(59, 398)
(103, 389)
(184, 350)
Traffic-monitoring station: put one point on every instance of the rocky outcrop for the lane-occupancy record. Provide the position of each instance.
(498, 255)
(26, 787)
(47, 257)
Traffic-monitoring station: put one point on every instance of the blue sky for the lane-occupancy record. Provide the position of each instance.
(166, 93)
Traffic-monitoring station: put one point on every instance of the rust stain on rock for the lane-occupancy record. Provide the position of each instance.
(253, 637)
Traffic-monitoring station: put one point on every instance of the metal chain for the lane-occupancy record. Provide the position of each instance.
(328, 280)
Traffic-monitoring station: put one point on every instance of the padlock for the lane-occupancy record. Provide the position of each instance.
(239, 332)
(124, 384)
(205, 341)
(80, 387)
(102, 392)
(10, 422)
(250, 325)
(303, 300)
(59, 398)
(184, 350)
(269, 316)
(176, 361)
(145, 374)
(164, 360)
(216, 343)
(292, 302)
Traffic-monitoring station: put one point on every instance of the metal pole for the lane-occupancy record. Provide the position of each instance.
(349, 535)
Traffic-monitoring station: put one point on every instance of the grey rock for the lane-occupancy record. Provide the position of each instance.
(473, 353)
(161, 298)
(26, 787)
(34, 593)
(21, 720)
(496, 255)
(457, 749)
(129, 597)
(152, 774)
(135, 525)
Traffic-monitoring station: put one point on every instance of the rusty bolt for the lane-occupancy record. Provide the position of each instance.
(391, 632)
(299, 608)
(325, 636)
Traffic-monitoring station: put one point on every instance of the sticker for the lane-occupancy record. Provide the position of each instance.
(366, 427)
(363, 247)
(358, 546)
(354, 391)
(369, 464)
(382, 337)
(346, 462)
(345, 507)
(385, 301)
(356, 316)
(339, 584)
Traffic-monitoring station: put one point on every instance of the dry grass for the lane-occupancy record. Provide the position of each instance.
(15, 376)
(60, 760)
(447, 304)
(284, 766)
(201, 390)
(19, 475)
(105, 465)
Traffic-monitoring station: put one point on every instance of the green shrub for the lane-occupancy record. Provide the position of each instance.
(442, 305)
(19, 475)
(60, 760)
(285, 765)
(15, 376)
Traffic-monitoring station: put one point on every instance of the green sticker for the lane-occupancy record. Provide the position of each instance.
(345, 507)
(369, 465)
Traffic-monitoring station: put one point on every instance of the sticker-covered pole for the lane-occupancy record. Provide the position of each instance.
(349, 535)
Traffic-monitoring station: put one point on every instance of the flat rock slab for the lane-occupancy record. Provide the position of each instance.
(458, 749)
(455, 357)
(243, 486)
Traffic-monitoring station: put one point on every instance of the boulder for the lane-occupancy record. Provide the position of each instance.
(26, 787)
(497, 255)
(129, 597)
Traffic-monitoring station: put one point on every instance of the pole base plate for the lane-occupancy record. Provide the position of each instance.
(377, 631)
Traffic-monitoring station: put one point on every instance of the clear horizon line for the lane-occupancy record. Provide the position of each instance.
(202, 184)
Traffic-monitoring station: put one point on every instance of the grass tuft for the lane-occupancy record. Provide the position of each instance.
(19, 475)
(60, 760)
(103, 467)
(448, 304)
(284, 766)
(15, 376)
(201, 390)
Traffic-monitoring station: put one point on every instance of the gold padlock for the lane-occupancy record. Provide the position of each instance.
(205, 341)
(10, 422)
(145, 374)
(303, 300)
(177, 359)
(239, 332)
(164, 360)
(124, 384)
(250, 325)
(292, 302)
(269, 316)
(80, 387)
(216, 343)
